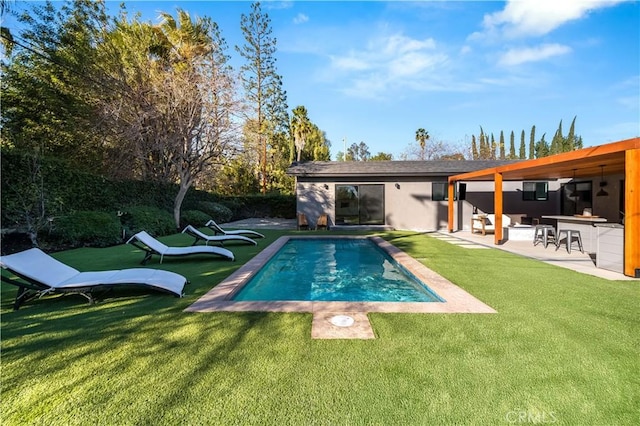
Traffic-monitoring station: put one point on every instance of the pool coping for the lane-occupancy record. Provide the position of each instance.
(457, 300)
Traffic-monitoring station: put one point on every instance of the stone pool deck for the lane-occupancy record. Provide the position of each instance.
(456, 300)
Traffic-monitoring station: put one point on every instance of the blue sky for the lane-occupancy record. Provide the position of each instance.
(377, 71)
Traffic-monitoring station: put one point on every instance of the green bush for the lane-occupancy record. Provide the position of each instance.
(219, 212)
(87, 228)
(155, 221)
(195, 218)
(283, 206)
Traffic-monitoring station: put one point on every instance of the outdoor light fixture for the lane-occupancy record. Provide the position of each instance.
(397, 185)
(574, 193)
(602, 192)
(326, 186)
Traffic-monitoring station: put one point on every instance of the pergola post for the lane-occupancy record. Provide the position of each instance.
(497, 208)
(450, 205)
(632, 213)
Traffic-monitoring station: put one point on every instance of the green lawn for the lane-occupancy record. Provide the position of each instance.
(562, 349)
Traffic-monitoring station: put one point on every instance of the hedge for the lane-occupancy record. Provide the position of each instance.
(66, 190)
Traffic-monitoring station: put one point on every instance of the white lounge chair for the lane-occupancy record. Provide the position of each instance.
(199, 235)
(151, 246)
(218, 230)
(39, 274)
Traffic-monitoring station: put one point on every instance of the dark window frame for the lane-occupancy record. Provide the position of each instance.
(539, 192)
(440, 194)
(359, 197)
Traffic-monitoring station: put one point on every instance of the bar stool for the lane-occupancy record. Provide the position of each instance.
(570, 235)
(544, 233)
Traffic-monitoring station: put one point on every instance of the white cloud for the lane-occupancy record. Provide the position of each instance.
(350, 63)
(532, 54)
(524, 18)
(389, 63)
(300, 18)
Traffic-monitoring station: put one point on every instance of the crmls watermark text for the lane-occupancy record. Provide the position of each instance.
(531, 416)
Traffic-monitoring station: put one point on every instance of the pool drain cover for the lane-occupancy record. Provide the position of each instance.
(342, 321)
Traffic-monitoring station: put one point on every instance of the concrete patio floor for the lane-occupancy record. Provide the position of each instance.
(575, 260)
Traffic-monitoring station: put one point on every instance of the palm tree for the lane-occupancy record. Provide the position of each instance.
(300, 128)
(187, 39)
(422, 136)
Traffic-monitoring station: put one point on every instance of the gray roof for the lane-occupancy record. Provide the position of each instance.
(391, 168)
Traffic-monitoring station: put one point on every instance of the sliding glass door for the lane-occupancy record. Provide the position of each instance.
(360, 204)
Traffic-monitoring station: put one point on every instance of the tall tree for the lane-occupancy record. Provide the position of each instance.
(572, 141)
(261, 82)
(47, 90)
(502, 149)
(557, 143)
(523, 147)
(474, 148)
(300, 129)
(178, 112)
(532, 143)
(485, 148)
(512, 147)
(358, 152)
(422, 136)
(542, 147)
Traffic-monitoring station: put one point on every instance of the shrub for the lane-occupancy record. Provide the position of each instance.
(262, 206)
(155, 221)
(217, 211)
(87, 228)
(195, 218)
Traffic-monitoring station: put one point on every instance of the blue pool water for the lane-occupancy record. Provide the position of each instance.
(349, 270)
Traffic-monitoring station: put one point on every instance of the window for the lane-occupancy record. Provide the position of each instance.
(360, 204)
(576, 196)
(439, 191)
(535, 191)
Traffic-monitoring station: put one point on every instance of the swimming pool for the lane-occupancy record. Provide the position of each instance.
(220, 297)
(334, 269)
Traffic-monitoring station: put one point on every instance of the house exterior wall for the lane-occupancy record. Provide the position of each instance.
(409, 205)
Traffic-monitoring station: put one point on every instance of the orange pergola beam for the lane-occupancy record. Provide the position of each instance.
(450, 204)
(632, 213)
(498, 207)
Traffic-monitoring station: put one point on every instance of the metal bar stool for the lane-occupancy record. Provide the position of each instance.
(543, 234)
(570, 235)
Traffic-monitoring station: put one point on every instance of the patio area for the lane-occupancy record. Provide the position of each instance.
(579, 262)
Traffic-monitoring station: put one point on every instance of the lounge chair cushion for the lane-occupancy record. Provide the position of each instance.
(218, 230)
(48, 275)
(152, 245)
(199, 235)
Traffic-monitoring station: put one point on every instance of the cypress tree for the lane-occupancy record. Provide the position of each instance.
(532, 143)
(474, 147)
(523, 149)
(570, 144)
(557, 143)
(502, 153)
(512, 147)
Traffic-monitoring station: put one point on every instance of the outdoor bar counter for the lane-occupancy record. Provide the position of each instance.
(584, 224)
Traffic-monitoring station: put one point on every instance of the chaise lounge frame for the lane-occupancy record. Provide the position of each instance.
(217, 229)
(151, 246)
(201, 236)
(36, 274)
